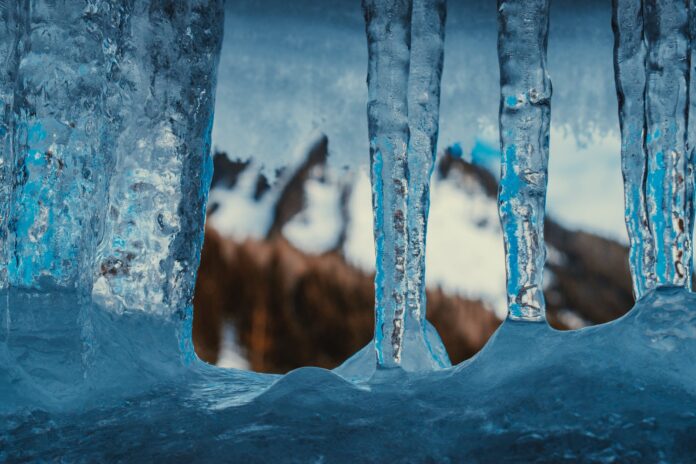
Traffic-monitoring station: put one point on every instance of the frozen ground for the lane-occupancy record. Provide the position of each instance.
(619, 392)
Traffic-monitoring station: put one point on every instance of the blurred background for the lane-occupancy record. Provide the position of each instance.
(288, 260)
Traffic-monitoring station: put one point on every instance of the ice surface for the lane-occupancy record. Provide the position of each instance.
(618, 392)
(525, 107)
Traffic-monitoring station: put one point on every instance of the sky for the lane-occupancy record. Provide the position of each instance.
(290, 70)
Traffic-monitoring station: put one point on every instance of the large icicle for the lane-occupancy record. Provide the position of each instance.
(59, 165)
(58, 158)
(12, 26)
(388, 26)
(13, 21)
(154, 226)
(406, 51)
(629, 71)
(425, 72)
(667, 74)
(525, 106)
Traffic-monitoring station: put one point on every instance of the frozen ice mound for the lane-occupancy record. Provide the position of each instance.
(618, 392)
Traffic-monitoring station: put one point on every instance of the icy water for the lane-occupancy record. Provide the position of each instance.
(105, 168)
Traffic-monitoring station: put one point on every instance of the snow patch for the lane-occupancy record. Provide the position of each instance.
(316, 228)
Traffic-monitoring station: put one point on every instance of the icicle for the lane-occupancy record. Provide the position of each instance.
(388, 26)
(667, 67)
(12, 28)
(525, 105)
(154, 226)
(425, 72)
(691, 136)
(405, 47)
(59, 163)
(629, 71)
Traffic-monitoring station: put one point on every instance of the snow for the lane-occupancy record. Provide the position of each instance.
(231, 356)
(465, 253)
(317, 227)
(359, 248)
(239, 215)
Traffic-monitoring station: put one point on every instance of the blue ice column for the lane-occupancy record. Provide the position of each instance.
(667, 190)
(105, 163)
(629, 72)
(153, 231)
(388, 26)
(691, 132)
(55, 161)
(422, 345)
(405, 48)
(11, 30)
(525, 107)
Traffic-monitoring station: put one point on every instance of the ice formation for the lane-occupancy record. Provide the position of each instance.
(105, 168)
(525, 106)
(651, 59)
(405, 48)
(105, 172)
(629, 65)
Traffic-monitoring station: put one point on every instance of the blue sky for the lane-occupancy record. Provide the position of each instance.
(292, 69)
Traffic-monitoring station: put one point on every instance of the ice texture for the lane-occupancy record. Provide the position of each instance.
(164, 97)
(56, 158)
(667, 104)
(629, 71)
(618, 392)
(95, 372)
(9, 48)
(105, 159)
(104, 172)
(388, 26)
(525, 107)
(652, 58)
(425, 73)
(405, 49)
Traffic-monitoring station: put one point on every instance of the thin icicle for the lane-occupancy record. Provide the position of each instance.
(666, 33)
(427, 56)
(691, 134)
(525, 110)
(405, 44)
(629, 71)
(388, 26)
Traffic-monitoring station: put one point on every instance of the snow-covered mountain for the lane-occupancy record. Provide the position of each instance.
(321, 209)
